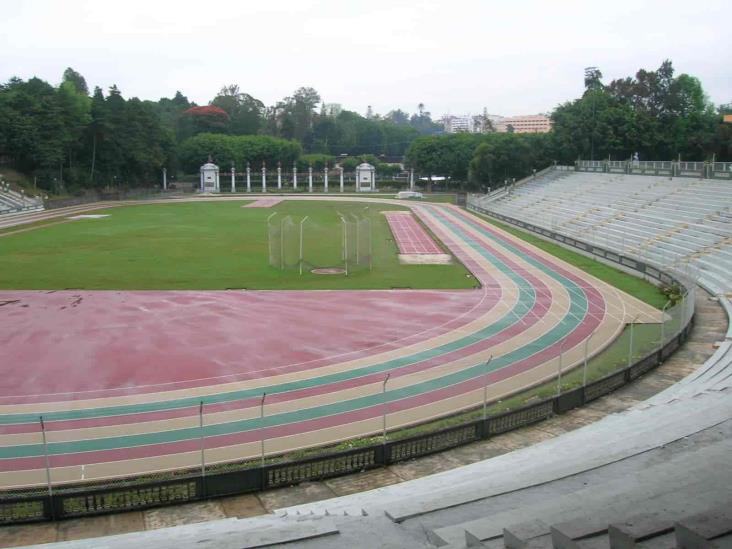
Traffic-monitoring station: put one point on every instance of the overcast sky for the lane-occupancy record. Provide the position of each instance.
(511, 57)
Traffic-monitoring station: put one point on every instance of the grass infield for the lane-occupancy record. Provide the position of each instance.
(205, 246)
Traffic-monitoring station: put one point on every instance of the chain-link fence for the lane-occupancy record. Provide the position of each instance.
(309, 245)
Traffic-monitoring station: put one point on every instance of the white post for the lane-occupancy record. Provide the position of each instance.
(233, 179)
(663, 325)
(249, 178)
(411, 180)
(559, 374)
(383, 412)
(261, 429)
(301, 232)
(630, 346)
(325, 178)
(45, 453)
(165, 179)
(294, 175)
(200, 426)
(345, 243)
(485, 388)
(340, 169)
(310, 179)
(279, 175)
(264, 178)
(584, 366)
(282, 243)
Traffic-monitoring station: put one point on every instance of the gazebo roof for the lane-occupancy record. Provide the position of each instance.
(209, 166)
(365, 166)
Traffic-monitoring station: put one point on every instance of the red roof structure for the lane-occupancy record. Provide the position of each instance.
(207, 110)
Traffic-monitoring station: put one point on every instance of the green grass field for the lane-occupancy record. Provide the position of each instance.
(637, 287)
(215, 245)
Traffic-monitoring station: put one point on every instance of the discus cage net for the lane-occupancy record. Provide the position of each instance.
(306, 245)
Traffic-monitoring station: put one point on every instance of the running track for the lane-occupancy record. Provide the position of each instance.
(119, 376)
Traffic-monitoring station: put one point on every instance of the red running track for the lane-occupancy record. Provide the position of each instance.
(410, 236)
(92, 344)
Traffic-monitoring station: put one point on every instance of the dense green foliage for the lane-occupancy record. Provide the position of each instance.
(654, 114)
(209, 245)
(238, 149)
(67, 139)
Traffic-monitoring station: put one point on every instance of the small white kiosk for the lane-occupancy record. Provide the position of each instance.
(209, 178)
(365, 178)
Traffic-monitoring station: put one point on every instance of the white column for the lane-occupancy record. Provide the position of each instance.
(279, 175)
(165, 179)
(358, 183)
(264, 178)
(201, 181)
(341, 174)
(249, 178)
(310, 179)
(294, 175)
(325, 178)
(233, 179)
(411, 180)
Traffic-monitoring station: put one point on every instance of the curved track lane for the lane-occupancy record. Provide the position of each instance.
(111, 411)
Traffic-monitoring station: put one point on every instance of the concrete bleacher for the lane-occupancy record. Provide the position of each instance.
(679, 224)
(12, 202)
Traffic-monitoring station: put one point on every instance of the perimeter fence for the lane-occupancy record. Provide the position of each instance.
(56, 500)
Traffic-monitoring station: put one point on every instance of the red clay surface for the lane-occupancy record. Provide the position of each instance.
(410, 236)
(85, 344)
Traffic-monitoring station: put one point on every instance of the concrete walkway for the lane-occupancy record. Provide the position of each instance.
(710, 327)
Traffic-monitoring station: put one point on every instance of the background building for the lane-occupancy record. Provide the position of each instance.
(529, 123)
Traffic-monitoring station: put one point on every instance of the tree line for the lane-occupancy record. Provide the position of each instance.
(655, 114)
(68, 137)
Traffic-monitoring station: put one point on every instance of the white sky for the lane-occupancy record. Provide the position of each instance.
(512, 57)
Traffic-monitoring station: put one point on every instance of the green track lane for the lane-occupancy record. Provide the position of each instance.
(577, 310)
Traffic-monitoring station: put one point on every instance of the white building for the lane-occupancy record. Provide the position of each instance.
(458, 124)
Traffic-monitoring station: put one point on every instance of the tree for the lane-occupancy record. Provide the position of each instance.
(76, 80)
(245, 112)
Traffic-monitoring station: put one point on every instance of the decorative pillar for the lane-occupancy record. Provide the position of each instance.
(411, 179)
(264, 178)
(340, 169)
(201, 181)
(294, 175)
(325, 178)
(233, 178)
(165, 179)
(310, 179)
(279, 174)
(249, 178)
